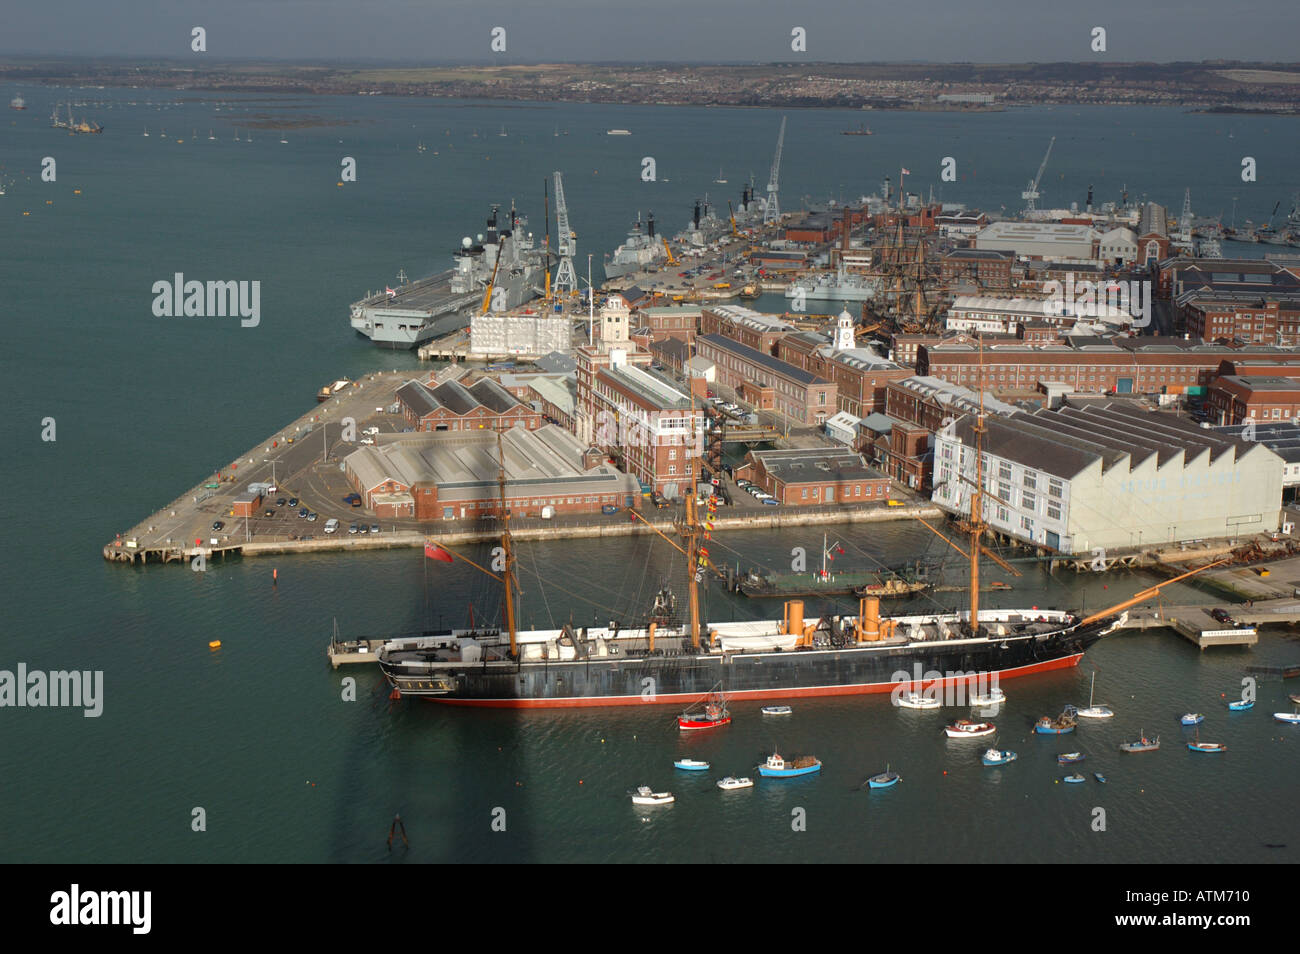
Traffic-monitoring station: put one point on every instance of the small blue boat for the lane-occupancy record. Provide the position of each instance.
(885, 779)
(1065, 758)
(1058, 726)
(1099, 777)
(778, 767)
(997, 757)
(1073, 778)
(1192, 718)
(1241, 705)
(691, 765)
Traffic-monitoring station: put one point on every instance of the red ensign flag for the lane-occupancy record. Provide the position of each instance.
(436, 552)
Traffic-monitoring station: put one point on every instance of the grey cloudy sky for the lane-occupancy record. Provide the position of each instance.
(433, 31)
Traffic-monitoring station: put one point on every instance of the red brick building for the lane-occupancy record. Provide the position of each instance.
(1124, 365)
(859, 374)
(1214, 316)
(768, 383)
(806, 476)
(751, 328)
(675, 321)
(990, 268)
(451, 406)
(1235, 398)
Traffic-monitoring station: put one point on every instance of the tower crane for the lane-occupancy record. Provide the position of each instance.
(772, 211)
(566, 279)
(1032, 192)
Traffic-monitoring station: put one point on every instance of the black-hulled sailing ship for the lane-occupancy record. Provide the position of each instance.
(669, 660)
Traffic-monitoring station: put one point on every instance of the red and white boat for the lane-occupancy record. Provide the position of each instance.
(715, 714)
(966, 729)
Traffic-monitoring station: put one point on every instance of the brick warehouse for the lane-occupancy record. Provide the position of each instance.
(451, 406)
(1235, 398)
(768, 383)
(1093, 365)
(453, 475)
(806, 476)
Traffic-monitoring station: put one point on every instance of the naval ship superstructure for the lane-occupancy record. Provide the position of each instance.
(504, 256)
(839, 285)
(642, 249)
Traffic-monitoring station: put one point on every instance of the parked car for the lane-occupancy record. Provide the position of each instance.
(293, 501)
(771, 501)
(1222, 615)
(609, 508)
(352, 528)
(303, 512)
(331, 525)
(280, 502)
(311, 516)
(742, 483)
(270, 512)
(363, 528)
(374, 528)
(217, 526)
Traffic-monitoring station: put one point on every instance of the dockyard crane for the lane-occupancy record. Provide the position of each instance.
(772, 211)
(732, 212)
(1032, 192)
(668, 248)
(566, 279)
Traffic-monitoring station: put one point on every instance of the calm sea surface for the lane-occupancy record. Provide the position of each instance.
(258, 734)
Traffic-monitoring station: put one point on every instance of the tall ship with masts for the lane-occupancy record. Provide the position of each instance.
(665, 659)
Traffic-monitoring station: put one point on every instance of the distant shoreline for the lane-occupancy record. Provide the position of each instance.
(1237, 88)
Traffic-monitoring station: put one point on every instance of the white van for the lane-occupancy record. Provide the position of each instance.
(331, 525)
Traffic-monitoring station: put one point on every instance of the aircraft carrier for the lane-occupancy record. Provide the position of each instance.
(504, 256)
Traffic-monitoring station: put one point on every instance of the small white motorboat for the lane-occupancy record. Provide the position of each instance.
(645, 796)
(776, 710)
(1292, 717)
(730, 784)
(914, 700)
(991, 698)
(966, 729)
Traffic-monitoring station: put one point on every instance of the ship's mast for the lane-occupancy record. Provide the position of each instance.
(689, 530)
(507, 573)
(976, 506)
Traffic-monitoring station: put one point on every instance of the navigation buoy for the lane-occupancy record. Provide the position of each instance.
(275, 575)
(215, 644)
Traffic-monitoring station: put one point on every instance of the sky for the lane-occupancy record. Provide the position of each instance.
(451, 31)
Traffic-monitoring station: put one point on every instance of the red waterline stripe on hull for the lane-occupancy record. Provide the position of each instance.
(583, 702)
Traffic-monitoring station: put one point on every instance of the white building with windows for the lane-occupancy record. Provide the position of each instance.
(1108, 476)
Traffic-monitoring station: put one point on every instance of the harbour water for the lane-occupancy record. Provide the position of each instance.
(258, 733)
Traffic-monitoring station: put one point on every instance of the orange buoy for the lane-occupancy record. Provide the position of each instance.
(215, 644)
(395, 694)
(275, 575)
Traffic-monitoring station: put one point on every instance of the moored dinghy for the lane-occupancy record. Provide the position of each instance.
(1290, 717)
(1075, 778)
(1241, 705)
(1099, 777)
(1199, 746)
(1192, 718)
(1066, 758)
(776, 710)
(885, 779)
(730, 784)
